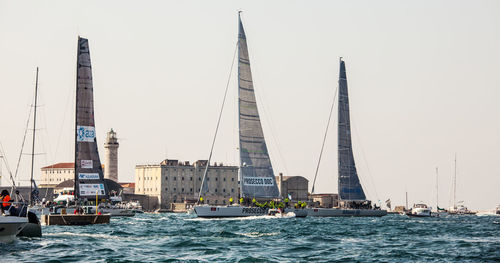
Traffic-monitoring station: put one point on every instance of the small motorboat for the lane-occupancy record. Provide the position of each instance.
(419, 210)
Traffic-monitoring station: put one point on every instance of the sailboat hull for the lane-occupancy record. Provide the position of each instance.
(10, 226)
(335, 212)
(228, 211)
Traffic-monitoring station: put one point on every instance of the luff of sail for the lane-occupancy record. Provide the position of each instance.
(256, 172)
(349, 185)
(89, 177)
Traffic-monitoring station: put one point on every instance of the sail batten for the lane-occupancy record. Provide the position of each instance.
(349, 186)
(256, 171)
(89, 176)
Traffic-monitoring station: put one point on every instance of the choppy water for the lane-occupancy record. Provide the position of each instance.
(181, 237)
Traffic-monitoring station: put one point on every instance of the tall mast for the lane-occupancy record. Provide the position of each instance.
(33, 146)
(406, 200)
(455, 185)
(437, 190)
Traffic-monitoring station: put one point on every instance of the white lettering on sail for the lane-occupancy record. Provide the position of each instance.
(258, 181)
(92, 189)
(85, 133)
(87, 164)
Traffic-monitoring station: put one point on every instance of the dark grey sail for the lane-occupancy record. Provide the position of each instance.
(349, 185)
(256, 172)
(89, 177)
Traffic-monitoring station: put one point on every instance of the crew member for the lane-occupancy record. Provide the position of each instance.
(6, 201)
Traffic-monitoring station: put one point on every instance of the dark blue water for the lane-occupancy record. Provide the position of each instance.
(181, 237)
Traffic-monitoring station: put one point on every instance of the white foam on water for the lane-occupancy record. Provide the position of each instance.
(69, 234)
(257, 234)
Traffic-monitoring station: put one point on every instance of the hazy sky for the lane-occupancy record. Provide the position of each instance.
(424, 84)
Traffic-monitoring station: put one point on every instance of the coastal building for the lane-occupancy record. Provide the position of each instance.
(325, 200)
(173, 182)
(55, 174)
(293, 186)
(111, 156)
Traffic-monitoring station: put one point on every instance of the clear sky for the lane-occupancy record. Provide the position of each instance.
(424, 84)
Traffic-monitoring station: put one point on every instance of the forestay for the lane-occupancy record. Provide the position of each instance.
(256, 171)
(89, 178)
(349, 185)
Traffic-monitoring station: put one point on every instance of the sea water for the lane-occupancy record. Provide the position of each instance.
(185, 238)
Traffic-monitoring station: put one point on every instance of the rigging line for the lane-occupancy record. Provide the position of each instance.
(218, 122)
(324, 138)
(24, 140)
(370, 177)
(2, 153)
(268, 119)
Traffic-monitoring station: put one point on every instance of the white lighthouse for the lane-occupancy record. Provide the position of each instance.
(111, 156)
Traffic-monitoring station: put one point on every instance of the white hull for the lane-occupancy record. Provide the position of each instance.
(71, 210)
(10, 226)
(298, 212)
(229, 211)
(337, 212)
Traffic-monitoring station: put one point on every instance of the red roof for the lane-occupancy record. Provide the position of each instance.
(127, 185)
(60, 166)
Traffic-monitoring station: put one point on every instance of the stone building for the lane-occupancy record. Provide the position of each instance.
(55, 174)
(295, 186)
(111, 156)
(172, 182)
(326, 200)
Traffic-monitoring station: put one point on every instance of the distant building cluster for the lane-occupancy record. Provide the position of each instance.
(172, 181)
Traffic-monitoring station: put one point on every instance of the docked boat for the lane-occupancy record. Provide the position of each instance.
(460, 209)
(419, 210)
(256, 174)
(352, 198)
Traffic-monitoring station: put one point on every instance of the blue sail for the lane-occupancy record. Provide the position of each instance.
(256, 172)
(349, 185)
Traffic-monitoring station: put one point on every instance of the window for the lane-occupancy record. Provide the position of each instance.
(208, 179)
(166, 189)
(175, 189)
(216, 201)
(182, 178)
(216, 179)
(175, 178)
(224, 190)
(191, 190)
(232, 190)
(191, 178)
(199, 178)
(224, 179)
(166, 178)
(216, 190)
(183, 190)
(232, 179)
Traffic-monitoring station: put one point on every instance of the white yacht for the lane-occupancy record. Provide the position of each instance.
(419, 210)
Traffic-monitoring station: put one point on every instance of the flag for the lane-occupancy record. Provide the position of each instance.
(290, 197)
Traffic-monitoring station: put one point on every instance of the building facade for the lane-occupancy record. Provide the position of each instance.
(111, 156)
(55, 174)
(325, 200)
(293, 186)
(172, 181)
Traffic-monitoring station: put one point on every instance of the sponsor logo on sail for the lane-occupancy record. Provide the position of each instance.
(87, 164)
(88, 176)
(258, 181)
(85, 133)
(92, 189)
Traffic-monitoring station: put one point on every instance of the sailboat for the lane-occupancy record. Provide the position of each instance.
(89, 184)
(460, 208)
(256, 174)
(352, 198)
